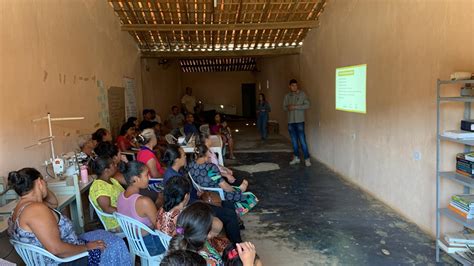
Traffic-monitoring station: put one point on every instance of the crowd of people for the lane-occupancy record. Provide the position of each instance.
(154, 189)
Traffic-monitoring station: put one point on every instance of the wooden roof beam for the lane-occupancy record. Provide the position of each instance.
(210, 54)
(221, 27)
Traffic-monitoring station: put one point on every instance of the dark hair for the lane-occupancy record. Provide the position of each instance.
(125, 127)
(263, 96)
(100, 164)
(132, 119)
(146, 111)
(131, 169)
(174, 191)
(99, 134)
(202, 139)
(293, 81)
(183, 258)
(171, 154)
(201, 150)
(174, 106)
(235, 261)
(106, 149)
(22, 181)
(196, 223)
(221, 116)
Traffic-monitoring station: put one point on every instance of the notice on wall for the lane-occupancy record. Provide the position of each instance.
(130, 99)
(103, 105)
(116, 98)
(351, 89)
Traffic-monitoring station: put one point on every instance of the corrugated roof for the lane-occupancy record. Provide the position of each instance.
(218, 64)
(214, 27)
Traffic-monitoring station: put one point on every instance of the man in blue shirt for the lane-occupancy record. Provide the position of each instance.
(189, 127)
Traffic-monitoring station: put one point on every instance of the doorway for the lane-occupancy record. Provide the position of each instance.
(249, 100)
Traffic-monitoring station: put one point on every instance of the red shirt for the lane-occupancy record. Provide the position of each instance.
(123, 143)
(145, 154)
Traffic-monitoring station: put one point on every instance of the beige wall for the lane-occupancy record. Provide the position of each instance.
(52, 55)
(276, 72)
(161, 85)
(407, 46)
(218, 87)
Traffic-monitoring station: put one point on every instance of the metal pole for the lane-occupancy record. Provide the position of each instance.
(437, 171)
(51, 136)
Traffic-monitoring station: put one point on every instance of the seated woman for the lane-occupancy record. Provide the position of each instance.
(125, 141)
(208, 175)
(133, 120)
(146, 154)
(220, 128)
(175, 159)
(107, 149)
(193, 229)
(35, 222)
(138, 207)
(105, 189)
(176, 195)
(101, 135)
(225, 172)
(176, 198)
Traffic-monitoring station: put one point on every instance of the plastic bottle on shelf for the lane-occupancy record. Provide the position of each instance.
(84, 174)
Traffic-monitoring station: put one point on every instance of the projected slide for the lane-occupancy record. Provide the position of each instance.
(351, 89)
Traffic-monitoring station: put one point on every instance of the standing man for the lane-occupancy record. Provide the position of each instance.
(295, 104)
(188, 101)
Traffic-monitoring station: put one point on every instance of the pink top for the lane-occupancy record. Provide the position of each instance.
(214, 160)
(145, 154)
(126, 206)
(215, 129)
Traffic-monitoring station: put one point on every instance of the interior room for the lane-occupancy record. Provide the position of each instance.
(280, 132)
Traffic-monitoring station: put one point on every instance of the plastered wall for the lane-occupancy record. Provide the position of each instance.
(161, 85)
(53, 53)
(273, 78)
(407, 45)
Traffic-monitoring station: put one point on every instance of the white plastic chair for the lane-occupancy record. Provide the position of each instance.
(220, 191)
(101, 215)
(36, 256)
(170, 139)
(204, 129)
(133, 231)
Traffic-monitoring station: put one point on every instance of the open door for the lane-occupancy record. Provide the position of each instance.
(249, 100)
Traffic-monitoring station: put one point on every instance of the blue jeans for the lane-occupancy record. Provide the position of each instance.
(262, 122)
(153, 245)
(297, 134)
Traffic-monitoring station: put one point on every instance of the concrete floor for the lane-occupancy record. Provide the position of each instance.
(311, 216)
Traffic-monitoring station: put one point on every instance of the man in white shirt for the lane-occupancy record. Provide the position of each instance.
(188, 101)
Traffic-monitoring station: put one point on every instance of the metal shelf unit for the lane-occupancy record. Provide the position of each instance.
(466, 182)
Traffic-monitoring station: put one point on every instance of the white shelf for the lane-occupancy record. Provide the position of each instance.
(456, 99)
(464, 180)
(469, 223)
(469, 142)
(464, 81)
